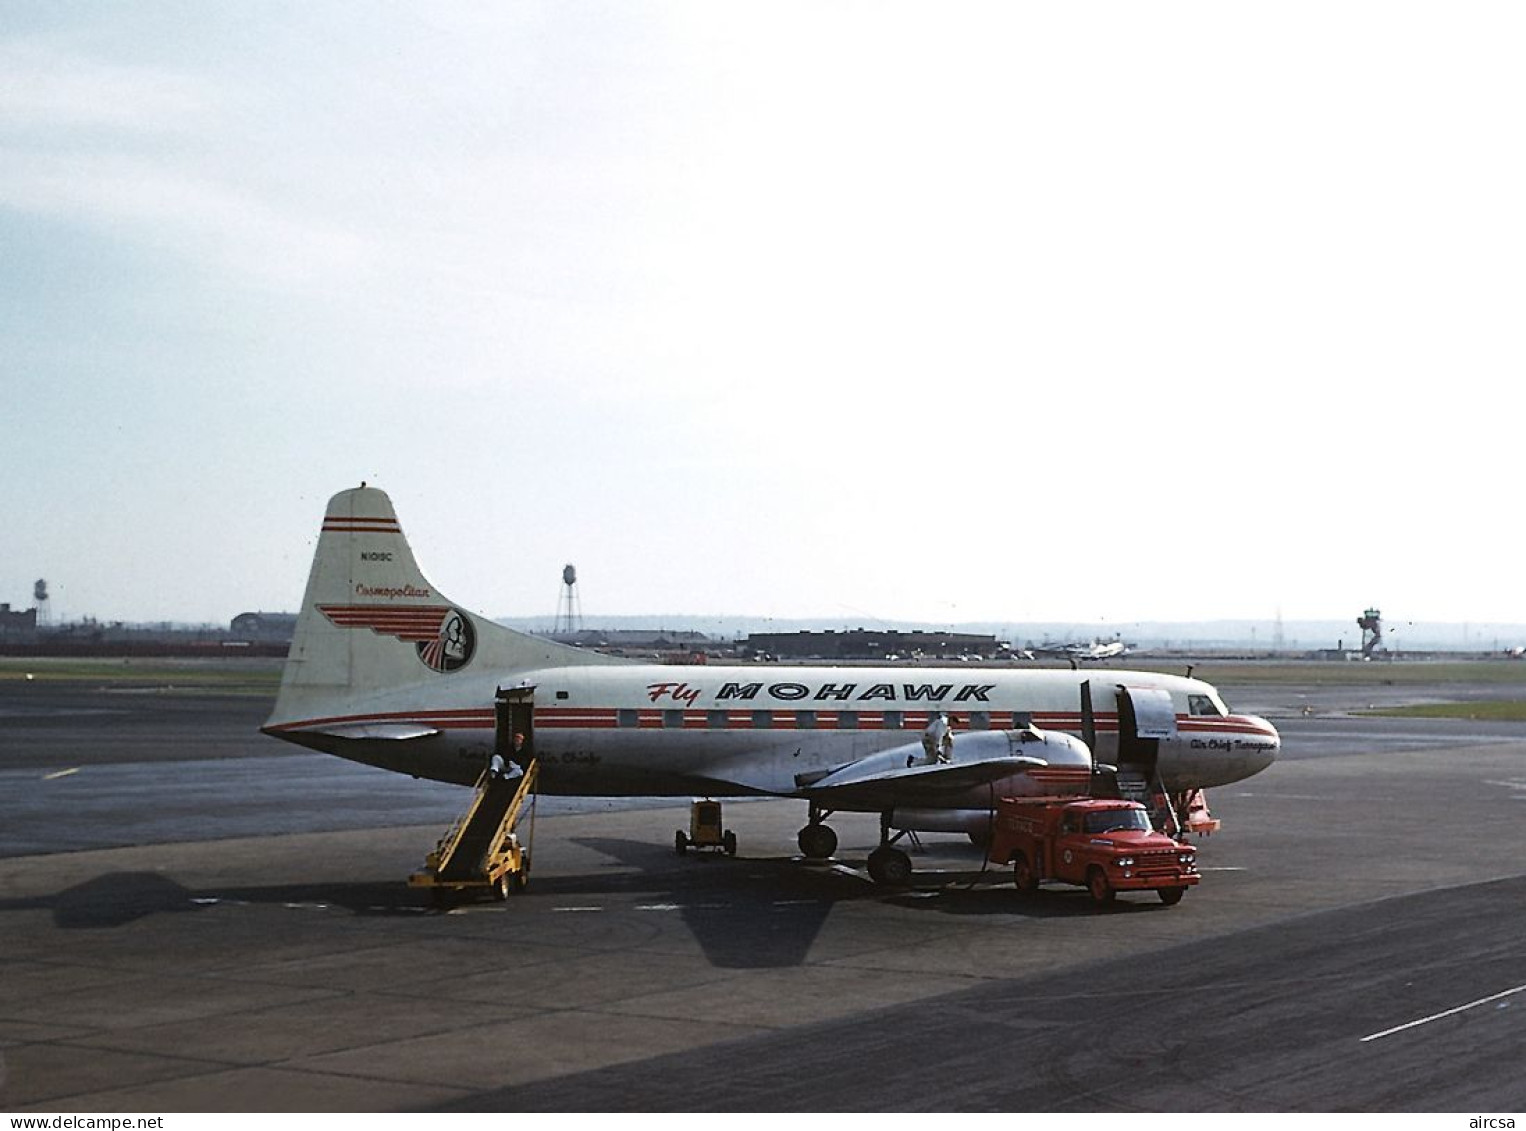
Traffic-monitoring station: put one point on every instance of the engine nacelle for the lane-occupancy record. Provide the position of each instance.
(1067, 767)
(981, 766)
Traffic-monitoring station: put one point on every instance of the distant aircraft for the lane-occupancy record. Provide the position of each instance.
(385, 670)
(1096, 650)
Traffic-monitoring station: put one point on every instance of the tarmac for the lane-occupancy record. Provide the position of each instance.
(194, 919)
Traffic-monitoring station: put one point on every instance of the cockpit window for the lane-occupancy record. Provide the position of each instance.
(1206, 705)
(1111, 820)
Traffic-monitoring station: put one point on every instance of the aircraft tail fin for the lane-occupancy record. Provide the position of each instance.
(372, 624)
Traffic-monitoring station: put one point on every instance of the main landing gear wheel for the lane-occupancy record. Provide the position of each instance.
(890, 867)
(817, 841)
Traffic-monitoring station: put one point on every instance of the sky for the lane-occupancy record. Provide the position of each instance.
(885, 313)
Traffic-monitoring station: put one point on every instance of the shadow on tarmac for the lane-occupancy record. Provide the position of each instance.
(746, 913)
(116, 899)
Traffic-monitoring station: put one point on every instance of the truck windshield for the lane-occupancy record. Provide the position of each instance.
(1110, 820)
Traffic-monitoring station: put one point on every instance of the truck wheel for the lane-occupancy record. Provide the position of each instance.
(680, 842)
(1023, 875)
(1102, 891)
(1171, 896)
(729, 843)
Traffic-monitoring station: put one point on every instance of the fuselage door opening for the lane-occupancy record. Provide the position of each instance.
(514, 725)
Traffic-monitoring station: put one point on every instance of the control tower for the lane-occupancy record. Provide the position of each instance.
(1371, 624)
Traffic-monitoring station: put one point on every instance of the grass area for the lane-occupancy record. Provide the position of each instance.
(1495, 710)
(1335, 673)
(252, 676)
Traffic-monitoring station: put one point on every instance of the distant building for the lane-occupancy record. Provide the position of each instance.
(271, 628)
(879, 644)
(16, 624)
(618, 640)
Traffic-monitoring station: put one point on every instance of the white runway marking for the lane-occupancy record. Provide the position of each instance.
(1444, 1013)
(60, 774)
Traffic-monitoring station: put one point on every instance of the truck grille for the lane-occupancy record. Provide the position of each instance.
(1157, 864)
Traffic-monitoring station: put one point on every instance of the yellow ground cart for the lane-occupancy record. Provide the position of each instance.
(705, 830)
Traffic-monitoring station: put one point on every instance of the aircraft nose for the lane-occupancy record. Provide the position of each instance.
(1267, 746)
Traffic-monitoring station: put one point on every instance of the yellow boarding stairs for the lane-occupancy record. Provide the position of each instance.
(482, 850)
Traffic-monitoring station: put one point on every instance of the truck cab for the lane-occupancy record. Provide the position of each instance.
(1106, 846)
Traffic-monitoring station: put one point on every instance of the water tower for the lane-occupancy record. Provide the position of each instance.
(40, 595)
(569, 612)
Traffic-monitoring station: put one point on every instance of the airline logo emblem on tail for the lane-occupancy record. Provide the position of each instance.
(443, 636)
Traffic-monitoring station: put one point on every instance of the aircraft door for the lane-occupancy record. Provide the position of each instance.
(1088, 719)
(1145, 717)
(514, 725)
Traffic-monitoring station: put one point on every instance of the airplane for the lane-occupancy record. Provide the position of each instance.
(1096, 650)
(385, 670)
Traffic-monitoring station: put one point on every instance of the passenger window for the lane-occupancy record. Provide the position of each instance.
(673, 719)
(715, 720)
(847, 720)
(762, 720)
(627, 718)
(805, 720)
(891, 720)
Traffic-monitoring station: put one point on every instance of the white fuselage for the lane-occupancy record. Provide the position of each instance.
(660, 730)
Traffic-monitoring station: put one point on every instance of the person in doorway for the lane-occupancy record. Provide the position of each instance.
(513, 766)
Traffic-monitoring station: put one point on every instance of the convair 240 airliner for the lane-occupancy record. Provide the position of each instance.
(385, 670)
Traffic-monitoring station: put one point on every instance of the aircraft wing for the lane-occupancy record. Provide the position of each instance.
(904, 776)
(394, 732)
